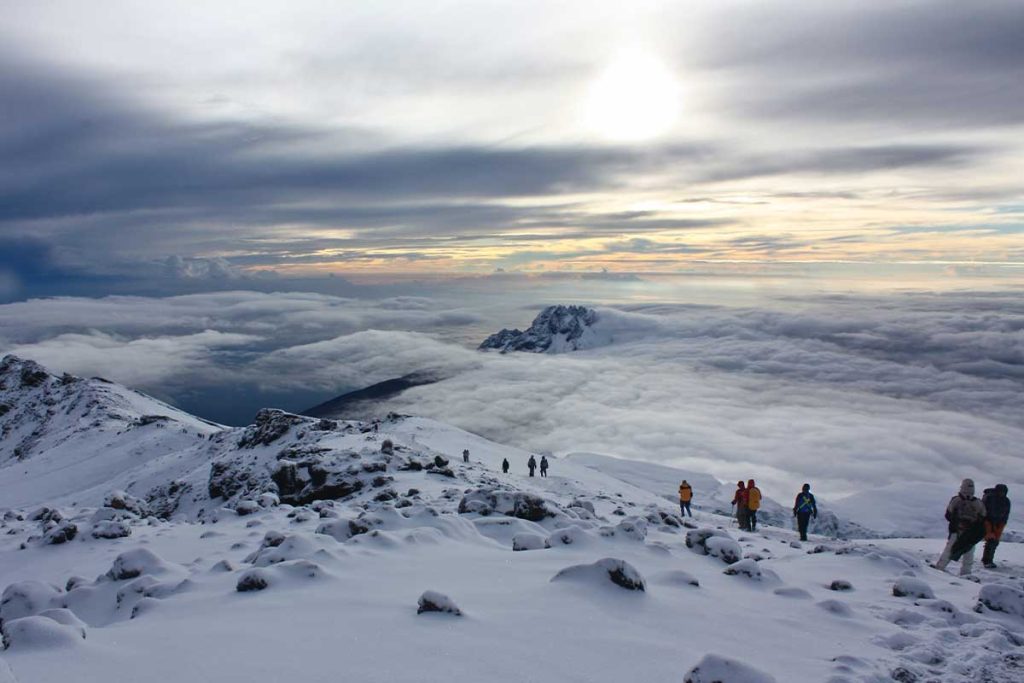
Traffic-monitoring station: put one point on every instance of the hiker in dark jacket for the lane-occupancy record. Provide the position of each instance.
(532, 464)
(504, 465)
(543, 465)
(804, 509)
(465, 455)
(997, 512)
(966, 517)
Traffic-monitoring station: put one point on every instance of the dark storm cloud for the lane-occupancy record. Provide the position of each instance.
(940, 64)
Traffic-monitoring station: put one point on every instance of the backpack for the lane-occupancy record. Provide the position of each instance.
(806, 503)
(753, 498)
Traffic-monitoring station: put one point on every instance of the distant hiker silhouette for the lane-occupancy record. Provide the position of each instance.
(685, 496)
(465, 455)
(740, 501)
(532, 464)
(504, 465)
(966, 517)
(543, 465)
(753, 505)
(804, 509)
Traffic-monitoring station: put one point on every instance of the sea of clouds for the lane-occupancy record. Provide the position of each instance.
(849, 392)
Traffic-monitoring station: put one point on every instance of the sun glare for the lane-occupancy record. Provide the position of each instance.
(635, 98)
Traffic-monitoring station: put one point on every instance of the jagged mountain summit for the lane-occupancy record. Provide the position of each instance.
(556, 329)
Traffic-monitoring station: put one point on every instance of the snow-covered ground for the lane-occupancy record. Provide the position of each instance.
(219, 580)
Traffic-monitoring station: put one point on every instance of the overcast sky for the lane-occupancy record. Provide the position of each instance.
(254, 139)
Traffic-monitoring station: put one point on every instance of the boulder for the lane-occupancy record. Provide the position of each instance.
(528, 541)
(1001, 598)
(610, 569)
(432, 601)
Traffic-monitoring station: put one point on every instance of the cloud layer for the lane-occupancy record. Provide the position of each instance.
(848, 391)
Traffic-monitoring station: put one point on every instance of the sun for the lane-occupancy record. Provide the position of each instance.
(635, 98)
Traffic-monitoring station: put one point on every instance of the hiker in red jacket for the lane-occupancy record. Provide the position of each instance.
(740, 501)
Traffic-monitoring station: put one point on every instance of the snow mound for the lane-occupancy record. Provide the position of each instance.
(725, 549)
(716, 669)
(38, 632)
(676, 577)
(27, 598)
(909, 587)
(512, 503)
(618, 572)
(136, 562)
(529, 541)
(748, 569)
(432, 601)
(697, 539)
(836, 607)
(999, 598)
(570, 535)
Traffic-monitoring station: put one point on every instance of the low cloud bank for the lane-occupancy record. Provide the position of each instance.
(849, 393)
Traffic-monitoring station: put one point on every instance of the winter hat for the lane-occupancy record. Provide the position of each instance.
(750, 484)
(739, 484)
(967, 487)
(807, 487)
(1001, 488)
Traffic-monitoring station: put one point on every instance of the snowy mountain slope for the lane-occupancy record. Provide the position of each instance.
(61, 436)
(303, 548)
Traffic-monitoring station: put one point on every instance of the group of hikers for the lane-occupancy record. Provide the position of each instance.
(747, 501)
(972, 520)
(531, 464)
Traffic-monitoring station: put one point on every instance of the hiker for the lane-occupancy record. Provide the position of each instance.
(532, 464)
(997, 512)
(685, 496)
(966, 517)
(740, 501)
(543, 465)
(504, 466)
(804, 509)
(753, 504)
(465, 455)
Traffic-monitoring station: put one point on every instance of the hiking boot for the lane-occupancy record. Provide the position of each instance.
(989, 565)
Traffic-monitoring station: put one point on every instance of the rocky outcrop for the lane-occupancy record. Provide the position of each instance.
(556, 329)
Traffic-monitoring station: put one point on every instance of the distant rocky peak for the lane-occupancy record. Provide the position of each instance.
(557, 329)
(18, 373)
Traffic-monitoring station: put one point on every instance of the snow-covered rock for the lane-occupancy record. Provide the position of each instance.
(910, 587)
(718, 669)
(609, 569)
(432, 601)
(528, 541)
(136, 562)
(1002, 598)
(725, 549)
(40, 632)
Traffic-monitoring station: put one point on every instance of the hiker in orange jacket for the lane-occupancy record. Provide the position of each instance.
(685, 496)
(753, 505)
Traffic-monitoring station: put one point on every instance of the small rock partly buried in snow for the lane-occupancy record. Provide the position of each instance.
(1001, 599)
(792, 592)
(247, 507)
(110, 530)
(26, 598)
(432, 601)
(528, 541)
(252, 580)
(676, 577)
(134, 563)
(745, 568)
(840, 585)
(62, 533)
(836, 607)
(716, 669)
(619, 572)
(725, 549)
(909, 587)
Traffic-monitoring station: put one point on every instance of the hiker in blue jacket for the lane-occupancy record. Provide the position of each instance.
(804, 509)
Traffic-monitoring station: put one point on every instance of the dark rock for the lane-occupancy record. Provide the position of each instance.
(252, 580)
